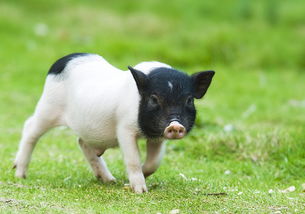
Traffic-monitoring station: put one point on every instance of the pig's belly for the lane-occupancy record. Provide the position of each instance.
(96, 130)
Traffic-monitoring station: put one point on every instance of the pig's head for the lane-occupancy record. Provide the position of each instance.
(167, 100)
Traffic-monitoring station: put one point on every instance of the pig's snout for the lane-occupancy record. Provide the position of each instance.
(174, 131)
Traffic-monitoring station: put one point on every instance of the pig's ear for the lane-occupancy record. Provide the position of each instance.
(201, 82)
(139, 77)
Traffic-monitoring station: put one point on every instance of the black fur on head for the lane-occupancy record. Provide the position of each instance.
(168, 95)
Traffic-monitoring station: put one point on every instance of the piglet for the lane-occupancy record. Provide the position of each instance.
(107, 107)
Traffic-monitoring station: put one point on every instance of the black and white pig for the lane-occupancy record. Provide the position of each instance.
(107, 107)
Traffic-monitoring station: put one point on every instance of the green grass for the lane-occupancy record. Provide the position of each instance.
(257, 49)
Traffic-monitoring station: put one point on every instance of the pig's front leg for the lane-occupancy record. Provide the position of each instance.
(131, 154)
(155, 151)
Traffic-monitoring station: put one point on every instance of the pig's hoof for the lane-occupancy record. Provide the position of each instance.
(109, 179)
(20, 175)
(140, 189)
(20, 172)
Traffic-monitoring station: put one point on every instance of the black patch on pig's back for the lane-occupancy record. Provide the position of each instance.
(61, 63)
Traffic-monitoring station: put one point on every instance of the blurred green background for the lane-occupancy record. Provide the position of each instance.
(251, 122)
(244, 34)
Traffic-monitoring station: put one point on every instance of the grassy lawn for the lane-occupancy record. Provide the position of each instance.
(248, 145)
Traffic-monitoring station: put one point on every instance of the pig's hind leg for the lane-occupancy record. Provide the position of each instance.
(42, 120)
(97, 163)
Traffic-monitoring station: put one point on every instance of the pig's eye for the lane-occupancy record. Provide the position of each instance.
(154, 101)
(189, 101)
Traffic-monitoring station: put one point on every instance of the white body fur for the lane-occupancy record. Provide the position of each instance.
(100, 104)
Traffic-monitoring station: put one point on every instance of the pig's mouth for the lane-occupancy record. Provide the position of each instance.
(175, 130)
